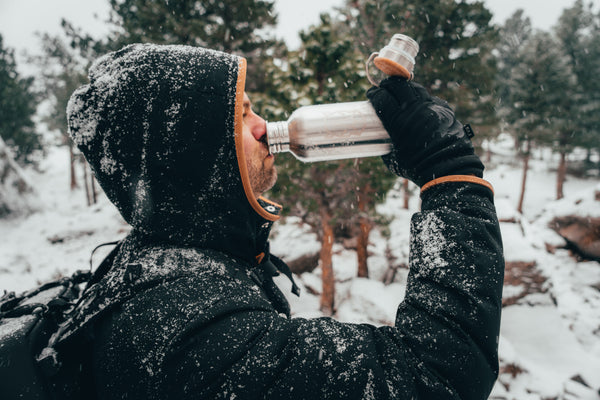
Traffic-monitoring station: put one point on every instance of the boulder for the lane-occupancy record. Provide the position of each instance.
(581, 233)
(304, 263)
(15, 188)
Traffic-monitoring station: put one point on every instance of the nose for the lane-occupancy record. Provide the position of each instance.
(258, 127)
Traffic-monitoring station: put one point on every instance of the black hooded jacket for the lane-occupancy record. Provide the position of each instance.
(188, 310)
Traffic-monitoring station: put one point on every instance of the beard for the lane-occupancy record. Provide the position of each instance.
(262, 177)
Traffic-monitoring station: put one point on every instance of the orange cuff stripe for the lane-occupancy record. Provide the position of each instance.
(457, 178)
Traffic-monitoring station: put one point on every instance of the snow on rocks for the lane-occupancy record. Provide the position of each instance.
(17, 193)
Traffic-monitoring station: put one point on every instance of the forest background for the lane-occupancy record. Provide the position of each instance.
(539, 86)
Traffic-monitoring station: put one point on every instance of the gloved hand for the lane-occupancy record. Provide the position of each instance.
(428, 141)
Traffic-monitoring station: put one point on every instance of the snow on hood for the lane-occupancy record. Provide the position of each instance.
(159, 127)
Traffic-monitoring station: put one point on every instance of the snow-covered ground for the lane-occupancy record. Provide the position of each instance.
(550, 338)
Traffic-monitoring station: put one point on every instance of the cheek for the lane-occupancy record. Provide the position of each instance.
(248, 141)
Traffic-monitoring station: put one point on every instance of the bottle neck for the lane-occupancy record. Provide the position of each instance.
(278, 137)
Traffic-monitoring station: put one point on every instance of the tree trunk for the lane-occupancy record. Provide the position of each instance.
(561, 174)
(524, 180)
(94, 191)
(588, 157)
(406, 194)
(72, 169)
(328, 293)
(88, 195)
(362, 242)
(361, 248)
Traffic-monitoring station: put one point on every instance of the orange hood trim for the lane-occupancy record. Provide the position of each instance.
(239, 147)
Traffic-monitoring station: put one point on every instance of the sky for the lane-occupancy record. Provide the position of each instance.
(21, 19)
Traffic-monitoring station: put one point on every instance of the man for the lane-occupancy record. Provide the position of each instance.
(189, 309)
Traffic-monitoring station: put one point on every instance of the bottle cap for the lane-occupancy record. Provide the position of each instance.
(397, 58)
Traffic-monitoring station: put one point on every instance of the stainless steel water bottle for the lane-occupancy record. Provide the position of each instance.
(343, 130)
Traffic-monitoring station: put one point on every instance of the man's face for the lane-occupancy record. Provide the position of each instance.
(259, 162)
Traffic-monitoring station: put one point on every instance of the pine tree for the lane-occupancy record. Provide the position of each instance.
(544, 94)
(548, 87)
(62, 71)
(232, 26)
(578, 32)
(240, 27)
(17, 107)
(514, 35)
(224, 25)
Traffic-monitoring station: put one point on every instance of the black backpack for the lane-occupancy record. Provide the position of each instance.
(29, 325)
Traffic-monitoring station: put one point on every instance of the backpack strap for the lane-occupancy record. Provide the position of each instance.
(106, 263)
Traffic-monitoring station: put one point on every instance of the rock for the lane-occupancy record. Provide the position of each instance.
(15, 189)
(582, 233)
(304, 263)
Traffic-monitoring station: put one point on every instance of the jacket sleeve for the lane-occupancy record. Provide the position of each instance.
(450, 317)
(443, 346)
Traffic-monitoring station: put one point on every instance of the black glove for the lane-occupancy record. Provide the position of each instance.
(428, 140)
